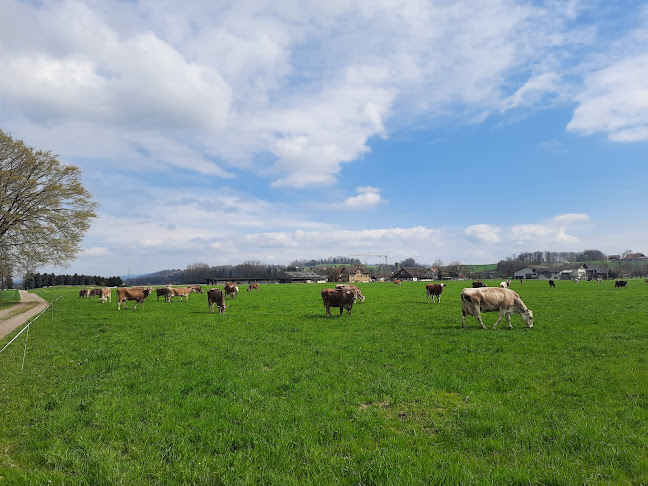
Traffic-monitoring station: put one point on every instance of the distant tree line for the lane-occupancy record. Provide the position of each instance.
(198, 273)
(38, 280)
(337, 260)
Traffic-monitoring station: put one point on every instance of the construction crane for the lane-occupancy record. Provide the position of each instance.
(372, 255)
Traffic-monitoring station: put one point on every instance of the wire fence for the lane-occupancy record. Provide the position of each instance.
(26, 328)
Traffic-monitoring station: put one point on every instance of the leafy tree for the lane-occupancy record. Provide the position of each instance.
(409, 262)
(44, 208)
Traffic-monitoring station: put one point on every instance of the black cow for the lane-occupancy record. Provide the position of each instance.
(620, 284)
(478, 284)
(551, 283)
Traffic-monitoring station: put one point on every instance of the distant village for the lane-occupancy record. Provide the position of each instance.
(527, 266)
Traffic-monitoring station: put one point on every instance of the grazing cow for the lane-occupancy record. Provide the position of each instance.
(552, 283)
(505, 284)
(163, 292)
(94, 293)
(353, 288)
(197, 288)
(216, 297)
(505, 301)
(254, 286)
(599, 280)
(397, 282)
(106, 295)
(180, 291)
(620, 284)
(435, 291)
(84, 293)
(342, 298)
(478, 284)
(133, 293)
(231, 289)
(575, 280)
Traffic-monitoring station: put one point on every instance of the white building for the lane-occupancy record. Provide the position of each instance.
(566, 272)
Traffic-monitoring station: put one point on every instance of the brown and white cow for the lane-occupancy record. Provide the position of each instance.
(253, 286)
(357, 293)
(505, 284)
(231, 289)
(106, 295)
(134, 293)
(181, 292)
(342, 298)
(84, 293)
(490, 299)
(397, 282)
(197, 288)
(216, 297)
(435, 291)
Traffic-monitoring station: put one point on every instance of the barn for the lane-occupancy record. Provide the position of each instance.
(414, 273)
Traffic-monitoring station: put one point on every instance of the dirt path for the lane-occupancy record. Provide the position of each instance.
(28, 307)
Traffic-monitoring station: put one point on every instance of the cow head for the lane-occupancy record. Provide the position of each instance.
(527, 317)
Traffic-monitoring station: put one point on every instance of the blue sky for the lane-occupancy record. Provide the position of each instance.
(222, 132)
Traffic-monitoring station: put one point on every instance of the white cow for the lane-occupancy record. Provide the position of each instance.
(489, 299)
(357, 294)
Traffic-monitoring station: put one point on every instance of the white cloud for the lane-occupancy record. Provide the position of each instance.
(550, 232)
(615, 100)
(367, 196)
(96, 251)
(309, 84)
(614, 97)
(483, 232)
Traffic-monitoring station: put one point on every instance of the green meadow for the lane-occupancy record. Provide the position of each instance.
(8, 298)
(275, 393)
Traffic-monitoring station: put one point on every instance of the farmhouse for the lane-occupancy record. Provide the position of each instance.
(352, 274)
(569, 271)
(414, 273)
(635, 256)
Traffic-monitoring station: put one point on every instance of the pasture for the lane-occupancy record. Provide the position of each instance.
(273, 392)
(8, 298)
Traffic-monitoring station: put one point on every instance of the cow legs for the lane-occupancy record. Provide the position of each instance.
(508, 319)
(428, 298)
(478, 317)
(328, 310)
(500, 317)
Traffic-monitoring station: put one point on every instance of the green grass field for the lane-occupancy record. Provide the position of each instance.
(273, 392)
(8, 298)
